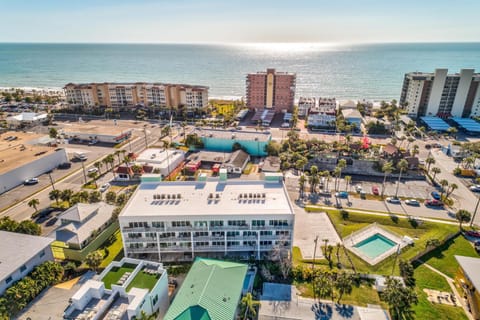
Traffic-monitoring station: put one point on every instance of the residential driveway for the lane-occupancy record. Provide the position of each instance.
(310, 225)
(52, 302)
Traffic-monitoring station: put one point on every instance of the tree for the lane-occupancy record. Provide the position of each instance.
(452, 131)
(387, 168)
(301, 184)
(53, 133)
(343, 284)
(444, 184)
(249, 305)
(342, 163)
(400, 299)
(407, 273)
(33, 203)
(324, 285)
(94, 196)
(402, 165)
(55, 195)
(313, 178)
(93, 175)
(432, 243)
(452, 188)
(436, 170)
(94, 259)
(326, 175)
(98, 165)
(462, 216)
(429, 161)
(111, 197)
(117, 154)
(273, 148)
(66, 195)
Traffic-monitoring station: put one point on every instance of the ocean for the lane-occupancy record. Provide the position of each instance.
(373, 71)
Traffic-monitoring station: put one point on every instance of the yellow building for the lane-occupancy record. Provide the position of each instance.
(468, 276)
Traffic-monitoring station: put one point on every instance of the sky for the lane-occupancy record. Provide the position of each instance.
(231, 21)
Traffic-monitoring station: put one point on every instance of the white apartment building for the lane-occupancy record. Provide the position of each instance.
(441, 94)
(326, 106)
(211, 218)
(320, 120)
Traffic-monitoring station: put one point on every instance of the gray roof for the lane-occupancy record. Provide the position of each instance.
(471, 267)
(78, 231)
(271, 164)
(238, 158)
(351, 113)
(16, 249)
(80, 211)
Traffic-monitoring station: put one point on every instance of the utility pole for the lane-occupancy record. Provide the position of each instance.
(475, 211)
(145, 134)
(84, 174)
(51, 180)
(313, 266)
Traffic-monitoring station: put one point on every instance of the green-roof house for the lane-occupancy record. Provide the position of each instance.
(211, 291)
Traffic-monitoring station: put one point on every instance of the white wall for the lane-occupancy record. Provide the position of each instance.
(16, 177)
(436, 93)
(466, 76)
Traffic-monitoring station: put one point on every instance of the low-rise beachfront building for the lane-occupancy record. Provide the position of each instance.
(123, 290)
(95, 133)
(305, 105)
(26, 119)
(162, 161)
(320, 120)
(20, 160)
(326, 106)
(211, 290)
(468, 277)
(122, 96)
(353, 117)
(253, 142)
(19, 254)
(233, 162)
(214, 218)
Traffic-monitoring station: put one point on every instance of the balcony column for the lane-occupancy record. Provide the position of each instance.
(225, 237)
(258, 245)
(191, 240)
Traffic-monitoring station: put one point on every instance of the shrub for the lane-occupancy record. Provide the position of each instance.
(344, 214)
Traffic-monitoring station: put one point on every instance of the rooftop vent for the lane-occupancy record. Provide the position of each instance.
(179, 196)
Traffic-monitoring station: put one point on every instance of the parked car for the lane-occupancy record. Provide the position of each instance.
(30, 181)
(434, 203)
(393, 200)
(65, 165)
(436, 195)
(341, 194)
(358, 188)
(92, 170)
(375, 190)
(92, 142)
(474, 234)
(412, 202)
(475, 188)
(104, 187)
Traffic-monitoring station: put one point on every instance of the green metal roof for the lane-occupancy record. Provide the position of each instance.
(211, 291)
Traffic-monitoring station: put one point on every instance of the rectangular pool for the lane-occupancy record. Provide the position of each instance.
(375, 245)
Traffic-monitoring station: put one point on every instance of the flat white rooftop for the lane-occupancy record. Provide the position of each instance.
(159, 157)
(211, 197)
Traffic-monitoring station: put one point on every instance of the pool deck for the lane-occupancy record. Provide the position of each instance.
(352, 240)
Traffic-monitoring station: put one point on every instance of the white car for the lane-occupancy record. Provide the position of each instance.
(104, 187)
(393, 200)
(92, 170)
(358, 188)
(412, 202)
(475, 188)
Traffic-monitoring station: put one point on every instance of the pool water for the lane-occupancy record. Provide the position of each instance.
(375, 245)
(246, 282)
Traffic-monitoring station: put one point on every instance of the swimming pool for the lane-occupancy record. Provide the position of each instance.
(375, 245)
(246, 282)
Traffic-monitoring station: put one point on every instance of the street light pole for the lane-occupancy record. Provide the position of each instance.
(51, 180)
(313, 266)
(84, 174)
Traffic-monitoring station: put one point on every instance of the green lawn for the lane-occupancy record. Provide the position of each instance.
(427, 279)
(144, 281)
(115, 274)
(115, 249)
(443, 258)
(421, 234)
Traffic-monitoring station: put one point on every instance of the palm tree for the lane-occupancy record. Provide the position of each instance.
(429, 161)
(432, 243)
(250, 305)
(66, 195)
(342, 163)
(301, 184)
(410, 140)
(117, 153)
(399, 298)
(93, 176)
(387, 168)
(462, 216)
(348, 179)
(402, 165)
(145, 316)
(452, 188)
(55, 195)
(33, 203)
(99, 166)
(94, 259)
(444, 184)
(313, 178)
(415, 150)
(435, 170)
(327, 177)
(336, 173)
(343, 284)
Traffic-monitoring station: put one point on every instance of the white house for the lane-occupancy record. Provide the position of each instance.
(211, 218)
(122, 291)
(19, 254)
(164, 160)
(26, 119)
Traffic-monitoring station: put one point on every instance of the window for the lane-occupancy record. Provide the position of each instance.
(249, 233)
(42, 253)
(278, 222)
(282, 233)
(216, 223)
(237, 223)
(23, 268)
(200, 224)
(8, 280)
(200, 234)
(258, 223)
(167, 235)
(158, 224)
(233, 233)
(180, 224)
(266, 233)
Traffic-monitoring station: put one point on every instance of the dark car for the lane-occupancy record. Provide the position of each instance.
(434, 203)
(435, 195)
(65, 165)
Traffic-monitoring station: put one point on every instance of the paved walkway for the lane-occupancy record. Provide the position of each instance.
(451, 283)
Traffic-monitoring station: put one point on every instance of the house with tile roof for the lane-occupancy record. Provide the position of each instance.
(211, 291)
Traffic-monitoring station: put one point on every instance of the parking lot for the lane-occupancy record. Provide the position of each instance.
(418, 189)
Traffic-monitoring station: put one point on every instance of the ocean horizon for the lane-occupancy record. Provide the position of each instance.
(344, 71)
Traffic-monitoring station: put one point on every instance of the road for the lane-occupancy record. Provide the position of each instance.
(21, 211)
